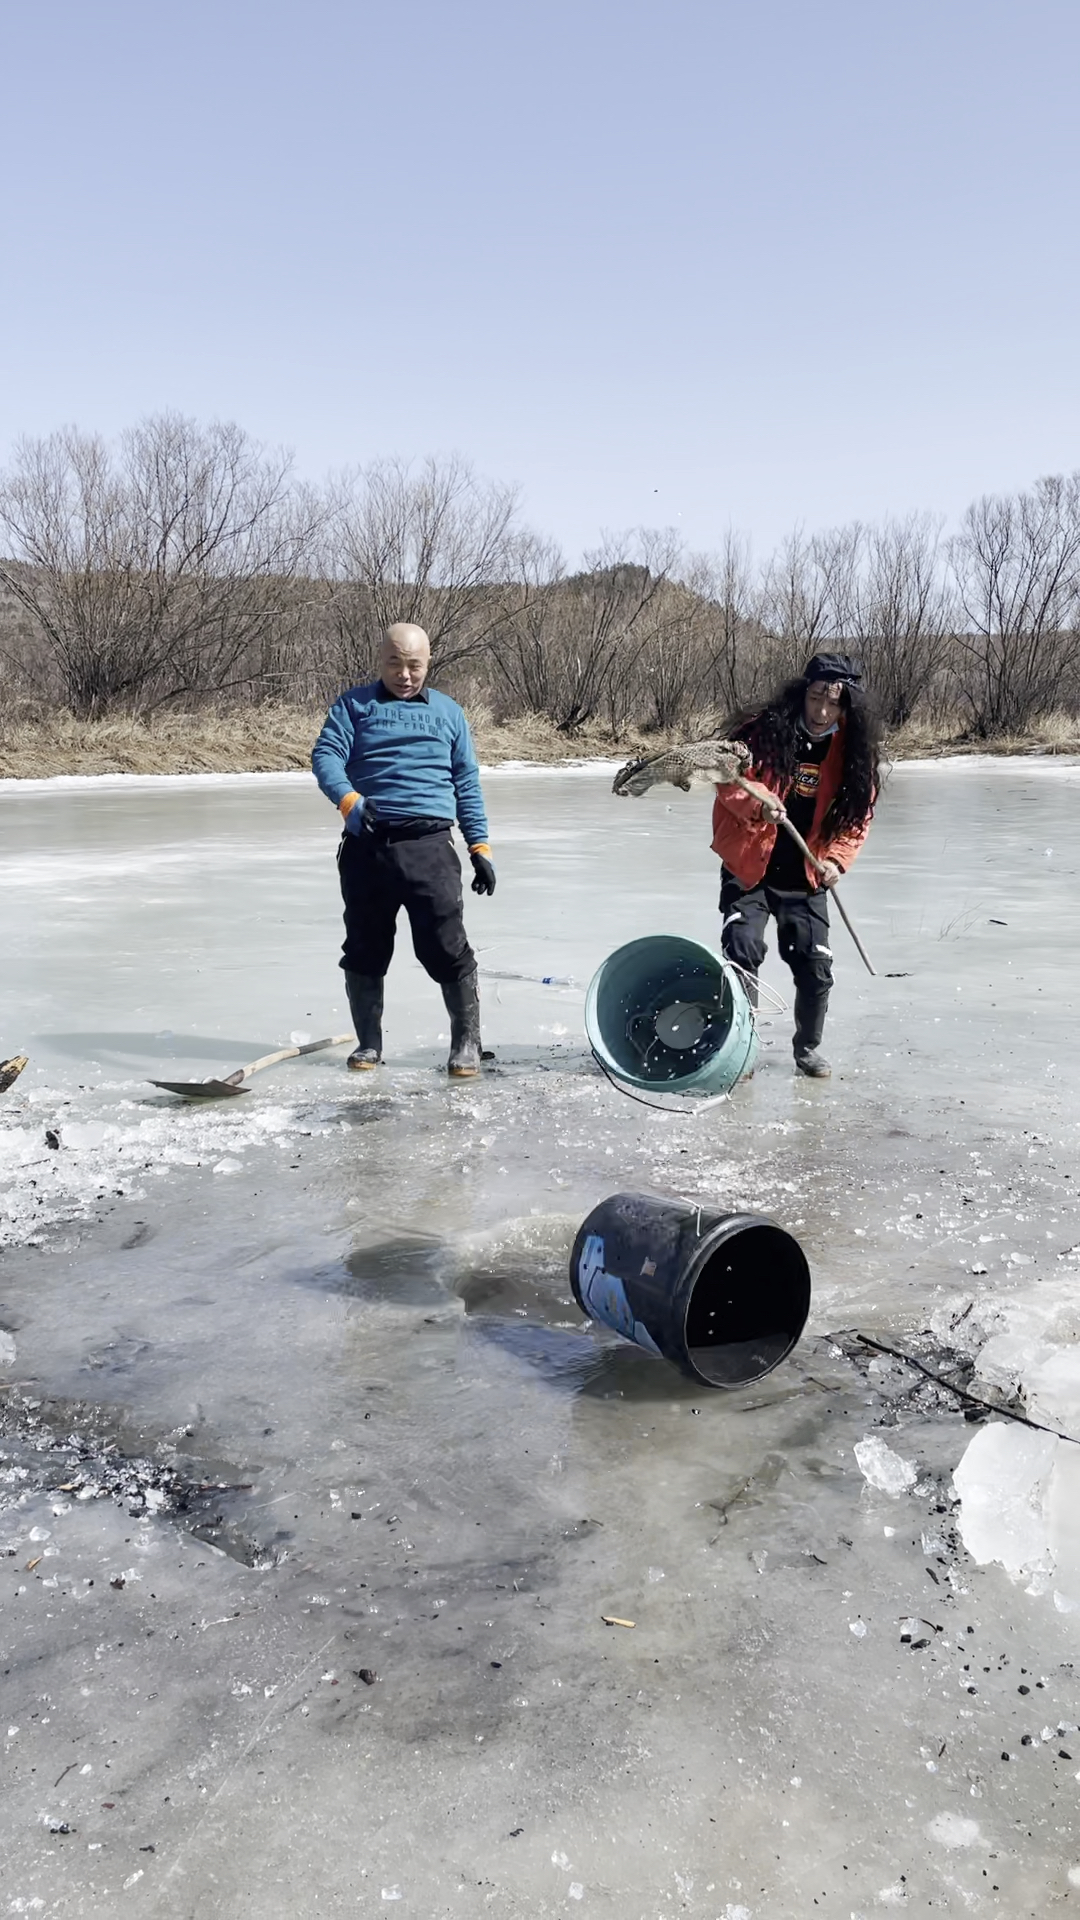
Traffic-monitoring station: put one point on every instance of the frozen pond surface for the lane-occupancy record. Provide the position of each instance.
(294, 1390)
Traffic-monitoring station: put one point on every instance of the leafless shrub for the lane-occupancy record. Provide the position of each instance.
(900, 616)
(1016, 563)
(150, 572)
(188, 567)
(432, 547)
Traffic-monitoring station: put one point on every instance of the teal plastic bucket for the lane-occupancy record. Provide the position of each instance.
(666, 1015)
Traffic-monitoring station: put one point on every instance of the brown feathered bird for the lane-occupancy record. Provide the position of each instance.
(702, 763)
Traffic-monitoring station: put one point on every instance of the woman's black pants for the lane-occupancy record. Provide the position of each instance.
(802, 938)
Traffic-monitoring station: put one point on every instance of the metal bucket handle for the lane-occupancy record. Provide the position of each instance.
(684, 1103)
(775, 1000)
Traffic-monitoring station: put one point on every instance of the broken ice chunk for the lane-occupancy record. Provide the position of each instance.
(1002, 1481)
(883, 1469)
(84, 1135)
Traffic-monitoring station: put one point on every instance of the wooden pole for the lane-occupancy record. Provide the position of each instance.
(749, 787)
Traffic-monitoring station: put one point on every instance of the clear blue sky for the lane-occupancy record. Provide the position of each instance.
(694, 263)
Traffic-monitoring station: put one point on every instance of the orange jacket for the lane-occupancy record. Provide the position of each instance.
(745, 841)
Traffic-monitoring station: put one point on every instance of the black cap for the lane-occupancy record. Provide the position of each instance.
(833, 666)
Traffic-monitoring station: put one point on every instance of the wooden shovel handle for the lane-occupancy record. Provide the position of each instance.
(287, 1053)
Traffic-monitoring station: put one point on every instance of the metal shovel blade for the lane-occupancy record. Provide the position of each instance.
(200, 1089)
(232, 1083)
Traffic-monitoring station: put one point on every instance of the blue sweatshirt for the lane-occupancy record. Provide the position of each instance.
(414, 758)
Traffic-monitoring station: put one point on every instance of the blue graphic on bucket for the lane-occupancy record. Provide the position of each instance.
(605, 1296)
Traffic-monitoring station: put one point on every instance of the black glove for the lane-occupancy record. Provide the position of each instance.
(484, 872)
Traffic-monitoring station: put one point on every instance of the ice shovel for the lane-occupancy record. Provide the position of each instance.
(233, 1082)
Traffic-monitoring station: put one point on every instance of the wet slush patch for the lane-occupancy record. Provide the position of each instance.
(514, 1286)
(404, 1270)
(517, 1272)
(75, 1451)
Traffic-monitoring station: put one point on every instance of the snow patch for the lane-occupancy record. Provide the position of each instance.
(95, 1160)
(953, 1830)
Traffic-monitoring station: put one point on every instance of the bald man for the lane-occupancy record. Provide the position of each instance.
(397, 760)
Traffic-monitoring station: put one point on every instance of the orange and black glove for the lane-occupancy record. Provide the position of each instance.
(484, 872)
(358, 815)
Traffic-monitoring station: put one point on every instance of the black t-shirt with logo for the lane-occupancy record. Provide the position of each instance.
(787, 869)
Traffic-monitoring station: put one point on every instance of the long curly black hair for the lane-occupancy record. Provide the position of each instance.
(775, 739)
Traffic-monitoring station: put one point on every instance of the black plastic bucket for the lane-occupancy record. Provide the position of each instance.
(723, 1295)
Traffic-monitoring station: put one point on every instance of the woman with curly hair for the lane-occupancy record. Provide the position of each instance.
(814, 758)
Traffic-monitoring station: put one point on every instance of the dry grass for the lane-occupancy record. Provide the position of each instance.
(276, 739)
(531, 737)
(260, 740)
(929, 740)
(257, 740)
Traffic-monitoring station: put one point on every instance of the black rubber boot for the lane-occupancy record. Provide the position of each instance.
(462, 1000)
(365, 995)
(810, 1011)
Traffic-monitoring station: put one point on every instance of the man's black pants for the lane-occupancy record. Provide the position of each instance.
(802, 932)
(412, 866)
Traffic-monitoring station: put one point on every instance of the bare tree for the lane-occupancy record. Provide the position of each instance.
(901, 616)
(600, 623)
(520, 657)
(150, 572)
(734, 633)
(186, 562)
(25, 669)
(693, 646)
(1017, 567)
(671, 670)
(432, 547)
(798, 602)
(627, 640)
